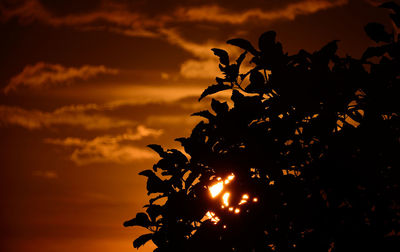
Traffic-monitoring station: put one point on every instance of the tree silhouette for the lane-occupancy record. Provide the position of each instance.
(308, 155)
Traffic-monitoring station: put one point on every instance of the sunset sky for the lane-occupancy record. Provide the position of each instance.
(86, 85)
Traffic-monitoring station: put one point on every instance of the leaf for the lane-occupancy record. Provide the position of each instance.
(141, 240)
(157, 148)
(237, 97)
(219, 107)
(396, 8)
(206, 114)
(396, 19)
(147, 173)
(219, 80)
(377, 32)
(391, 5)
(328, 51)
(214, 89)
(244, 44)
(154, 211)
(154, 183)
(374, 52)
(266, 41)
(241, 58)
(257, 77)
(223, 56)
(192, 176)
(257, 83)
(141, 220)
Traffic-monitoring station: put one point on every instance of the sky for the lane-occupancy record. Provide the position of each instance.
(86, 85)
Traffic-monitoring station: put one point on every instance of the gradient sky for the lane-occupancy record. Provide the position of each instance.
(86, 85)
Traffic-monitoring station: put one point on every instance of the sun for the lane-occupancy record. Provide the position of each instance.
(218, 189)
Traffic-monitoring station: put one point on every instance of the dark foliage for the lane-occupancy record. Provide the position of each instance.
(314, 137)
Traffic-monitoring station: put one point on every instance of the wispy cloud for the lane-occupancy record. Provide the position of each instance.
(44, 74)
(105, 149)
(75, 115)
(218, 14)
(47, 174)
(118, 18)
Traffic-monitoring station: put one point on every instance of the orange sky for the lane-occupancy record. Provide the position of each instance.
(86, 85)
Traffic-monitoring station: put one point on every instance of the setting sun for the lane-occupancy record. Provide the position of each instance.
(225, 199)
(216, 189)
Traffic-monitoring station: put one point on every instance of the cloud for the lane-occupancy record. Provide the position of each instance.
(217, 14)
(105, 149)
(44, 74)
(375, 3)
(45, 174)
(185, 121)
(205, 63)
(75, 115)
(200, 69)
(119, 18)
(116, 16)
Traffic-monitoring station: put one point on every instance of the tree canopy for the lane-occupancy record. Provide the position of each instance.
(305, 157)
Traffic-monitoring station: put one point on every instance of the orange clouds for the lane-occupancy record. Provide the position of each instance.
(69, 115)
(45, 174)
(44, 74)
(121, 20)
(217, 14)
(108, 148)
(117, 17)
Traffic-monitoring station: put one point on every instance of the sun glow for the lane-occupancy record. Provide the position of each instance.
(230, 177)
(218, 188)
(214, 219)
(244, 199)
(225, 199)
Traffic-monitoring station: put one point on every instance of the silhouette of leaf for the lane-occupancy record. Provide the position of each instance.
(219, 107)
(157, 148)
(327, 52)
(220, 80)
(206, 114)
(141, 220)
(154, 183)
(244, 44)
(241, 58)
(374, 52)
(223, 56)
(154, 211)
(214, 89)
(257, 83)
(237, 97)
(396, 19)
(390, 5)
(266, 42)
(141, 240)
(377, 32)
(396, 8)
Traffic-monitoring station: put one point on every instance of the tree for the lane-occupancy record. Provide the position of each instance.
(306, 159)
